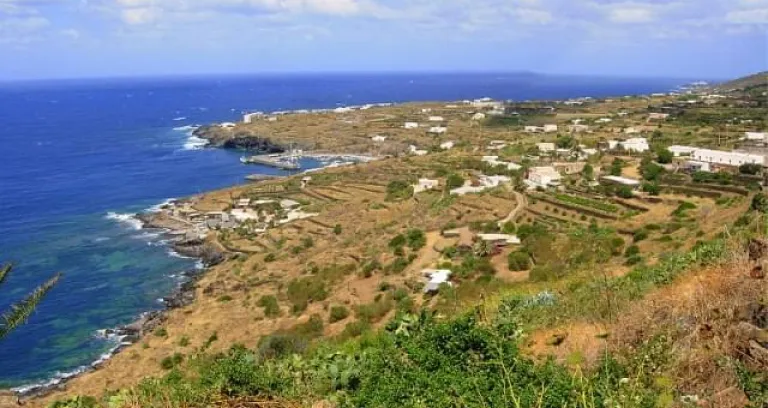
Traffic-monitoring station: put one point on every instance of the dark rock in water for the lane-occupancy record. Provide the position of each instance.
(196, 248)
(238, 139)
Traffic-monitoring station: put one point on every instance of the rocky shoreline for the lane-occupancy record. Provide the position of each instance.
(225, 138)
(131, 333)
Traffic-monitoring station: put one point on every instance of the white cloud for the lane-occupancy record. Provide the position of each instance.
(631, 15)
(755, 16)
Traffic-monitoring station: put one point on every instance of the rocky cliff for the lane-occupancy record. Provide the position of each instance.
(237, 139)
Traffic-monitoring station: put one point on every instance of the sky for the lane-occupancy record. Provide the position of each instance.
(707, 39)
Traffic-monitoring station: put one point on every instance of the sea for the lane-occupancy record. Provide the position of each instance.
(79, 157)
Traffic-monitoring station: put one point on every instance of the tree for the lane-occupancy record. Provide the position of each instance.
(664, 156)
(652, 188)
(454, 181)
(624, 192)
(18, 313)
(616, 167)
(588, 172)
(650, 170)
(398, 189)
(750, 169)
(565, 142)
(760, 203)
(518, 261)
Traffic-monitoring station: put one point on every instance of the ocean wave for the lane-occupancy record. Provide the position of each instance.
(180, 118)
(195, 143)
(175, 254)
(159, 207)
(186, 128)
(127, 219)
(147, 236)
(61, 377)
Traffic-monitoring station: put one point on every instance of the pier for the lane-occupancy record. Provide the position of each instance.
(272, 162)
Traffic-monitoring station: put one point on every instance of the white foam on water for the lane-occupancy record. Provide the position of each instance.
(186, 128)
(179, 118)
(159, 207)
(195, 143)
(127, 219)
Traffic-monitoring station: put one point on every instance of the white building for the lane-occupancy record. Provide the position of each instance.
(424, 185)
(436, 119)
(755, 136)
(637, 145)
(658, 116)
(543, 177)
(545, 147)
(417, 152)
(578, 128)
(551, 128)
(435, 278)
(697, 166)
(437, 130)
(484, 183)
(727, 158)
(426, 110)
(500, 239)
(411, 125)
(478, 116)
(496, 145)
(604, 120)
(379, 138)
(678, 150)
(624, 181)
(447, 145)
(227, 125)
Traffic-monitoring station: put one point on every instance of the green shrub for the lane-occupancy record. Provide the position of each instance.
(270, 305)
(171, 361)
(224, 298)
(416, 239)
(760, 203)
(454, 181)
(632, 250)
(270, 257)
(184, 341)
(640, 235)
(398, 265)
(338, 313)
(355, 329)
(374, 311)
(337, 229)
(161, 332)
(518, 261)
(303, 291)
(399, 190)
(634, 260)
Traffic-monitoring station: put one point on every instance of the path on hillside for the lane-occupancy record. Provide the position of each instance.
(522, 202)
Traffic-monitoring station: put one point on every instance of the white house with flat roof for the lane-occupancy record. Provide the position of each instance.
(637, 145)
(437, 130)
(545, 147)
(678, 150)
(624, 181)
(435, 278)
(550, 128)
(727, 158)
(755, 136)
(378, 138)
(447, 145)
(411, 125)
(578, 128)
(436, 119)
(425, 184)
(658, 116)
(543, 177)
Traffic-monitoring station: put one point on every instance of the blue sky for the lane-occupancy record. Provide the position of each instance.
(673, 38)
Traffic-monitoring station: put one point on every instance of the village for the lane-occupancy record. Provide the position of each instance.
(563, 163)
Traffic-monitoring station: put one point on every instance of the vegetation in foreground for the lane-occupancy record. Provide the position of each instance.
(474, 359)
(18, 313)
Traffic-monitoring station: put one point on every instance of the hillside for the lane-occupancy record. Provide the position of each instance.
(756, 80)
(607, 296)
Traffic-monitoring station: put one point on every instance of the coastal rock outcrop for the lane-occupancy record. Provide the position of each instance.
(237, 139)
(198, 248)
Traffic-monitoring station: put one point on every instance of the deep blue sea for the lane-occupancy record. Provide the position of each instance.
(77, 156)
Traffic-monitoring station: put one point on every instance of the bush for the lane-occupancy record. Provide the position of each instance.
(616, 167)
(454, 181)
(171, 361)
(631, 251)
(161, 332)
(184, 341)
(355, 329)
(398, 265)
(617, 244)
(337, 229)
(416, 239)
(374, 311)
(302, 291)
(270, 305)
(652, 188)
(760, 203)
(664, 156)
(518, 261)
(399, 190)
(397, 242)
(279, 345)
(639, 235)
(682, 208)
(750, 169)
(338, 313)
(270, 257)
(634, 260)
(624, 192)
